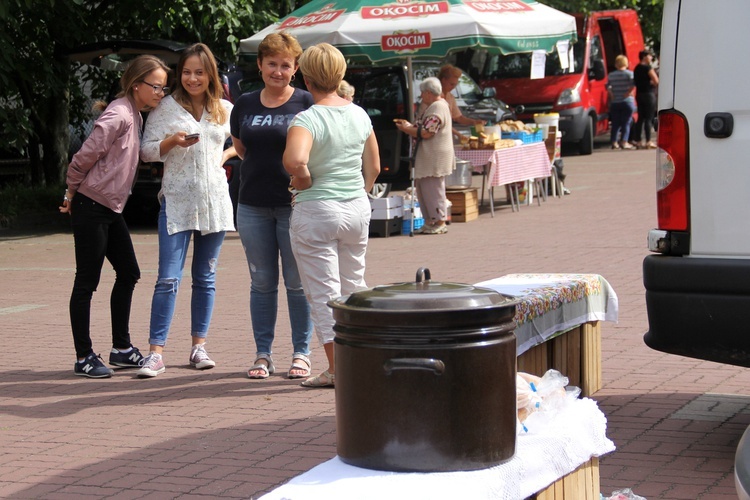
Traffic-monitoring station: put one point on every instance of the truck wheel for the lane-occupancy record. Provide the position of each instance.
(587, 141)
(379, 190)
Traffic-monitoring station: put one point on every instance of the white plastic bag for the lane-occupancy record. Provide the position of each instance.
(539, 399)
(625, 494)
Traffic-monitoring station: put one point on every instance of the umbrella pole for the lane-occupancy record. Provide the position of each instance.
(413, 196)
(410, 114)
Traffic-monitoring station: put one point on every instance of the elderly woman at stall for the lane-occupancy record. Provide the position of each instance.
(434, 159)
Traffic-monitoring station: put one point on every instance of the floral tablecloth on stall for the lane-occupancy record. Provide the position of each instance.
(554, 303)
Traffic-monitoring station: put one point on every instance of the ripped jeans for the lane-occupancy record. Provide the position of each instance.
(173, 250)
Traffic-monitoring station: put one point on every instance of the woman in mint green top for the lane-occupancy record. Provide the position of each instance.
(333, 159)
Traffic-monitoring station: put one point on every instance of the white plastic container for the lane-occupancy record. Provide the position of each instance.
(547, 119)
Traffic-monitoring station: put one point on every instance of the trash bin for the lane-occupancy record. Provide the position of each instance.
(425, 376)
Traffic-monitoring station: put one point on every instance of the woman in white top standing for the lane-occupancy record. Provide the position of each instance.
(187, 131)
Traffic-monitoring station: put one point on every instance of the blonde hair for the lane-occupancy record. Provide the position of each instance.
(448, 70)
(279, 44)
(621, 62)
(345, 90)
(138, 69)
(215, 90)
(323, 65)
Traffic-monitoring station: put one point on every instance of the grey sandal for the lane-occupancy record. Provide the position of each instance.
(301, 363)
(265, 369)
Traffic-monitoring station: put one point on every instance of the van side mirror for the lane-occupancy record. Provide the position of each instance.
(597, 70)
(489, 92)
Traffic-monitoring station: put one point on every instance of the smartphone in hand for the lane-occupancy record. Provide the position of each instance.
(191, 136)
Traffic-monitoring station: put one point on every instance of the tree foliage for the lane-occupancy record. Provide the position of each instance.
(649, 13)
(36, 82)
(39, 91)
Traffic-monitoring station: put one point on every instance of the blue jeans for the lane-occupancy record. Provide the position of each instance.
(173, 251)
(264, 232)
(620, 116)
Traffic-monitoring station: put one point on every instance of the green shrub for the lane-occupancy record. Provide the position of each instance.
(18, 199)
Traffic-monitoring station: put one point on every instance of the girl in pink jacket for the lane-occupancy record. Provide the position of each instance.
(99, 179)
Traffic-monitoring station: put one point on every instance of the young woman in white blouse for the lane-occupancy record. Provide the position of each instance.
(187, 132)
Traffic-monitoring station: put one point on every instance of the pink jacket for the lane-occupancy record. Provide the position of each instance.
(104, 168)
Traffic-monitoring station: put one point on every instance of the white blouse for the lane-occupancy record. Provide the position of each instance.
(194, 184)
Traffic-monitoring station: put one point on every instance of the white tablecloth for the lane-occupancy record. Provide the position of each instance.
(543, 455)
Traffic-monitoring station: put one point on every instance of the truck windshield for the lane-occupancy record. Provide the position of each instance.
(519, 65)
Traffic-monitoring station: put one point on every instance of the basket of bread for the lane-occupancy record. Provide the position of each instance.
(516, 129)
(485, 139)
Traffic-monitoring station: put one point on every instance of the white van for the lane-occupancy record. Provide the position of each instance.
(698, 287)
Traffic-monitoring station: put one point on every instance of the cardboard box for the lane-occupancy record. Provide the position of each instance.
(464, 205)
(387, 208)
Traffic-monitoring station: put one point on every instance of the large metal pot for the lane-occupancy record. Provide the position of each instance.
(461, 177)
(425, 376)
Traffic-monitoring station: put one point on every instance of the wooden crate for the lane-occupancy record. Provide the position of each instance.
(465, 206)
(581, 484)
(575, 353)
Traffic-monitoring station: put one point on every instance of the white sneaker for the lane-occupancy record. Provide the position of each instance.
(199, 358)
(153, 365)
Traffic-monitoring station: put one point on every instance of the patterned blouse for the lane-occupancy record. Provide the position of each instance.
(194, 186)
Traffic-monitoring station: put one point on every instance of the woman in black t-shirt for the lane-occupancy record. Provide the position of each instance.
(646, 82)
(259, 124)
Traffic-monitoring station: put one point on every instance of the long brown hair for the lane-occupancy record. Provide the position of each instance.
(138, 69)
(215, 91)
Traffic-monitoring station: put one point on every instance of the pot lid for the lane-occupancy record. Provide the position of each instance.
(423, 294)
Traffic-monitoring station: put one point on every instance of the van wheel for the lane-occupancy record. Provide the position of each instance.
(587, 141)
(379, 190)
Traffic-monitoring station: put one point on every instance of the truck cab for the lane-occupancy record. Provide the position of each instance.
(578, 93)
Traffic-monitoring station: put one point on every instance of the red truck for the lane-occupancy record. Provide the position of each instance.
(578, 93)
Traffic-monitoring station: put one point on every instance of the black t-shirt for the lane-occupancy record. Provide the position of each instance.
(262, 130)
(641, 79)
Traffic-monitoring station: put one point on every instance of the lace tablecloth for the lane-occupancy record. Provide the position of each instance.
(554, 303)
(543, 455)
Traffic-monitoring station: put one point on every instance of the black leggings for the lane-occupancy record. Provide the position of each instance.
(99, 232)
(646, 113)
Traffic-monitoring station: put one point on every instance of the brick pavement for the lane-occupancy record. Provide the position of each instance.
(675, 421)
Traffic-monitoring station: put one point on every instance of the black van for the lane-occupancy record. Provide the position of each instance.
(381, 91)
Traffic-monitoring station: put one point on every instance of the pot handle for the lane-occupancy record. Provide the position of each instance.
(423, 274)
(430, 364)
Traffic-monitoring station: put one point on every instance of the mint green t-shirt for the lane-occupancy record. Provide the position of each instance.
(339, 135)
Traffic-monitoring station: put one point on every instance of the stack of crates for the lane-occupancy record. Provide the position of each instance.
(464, 204)
(387, 216)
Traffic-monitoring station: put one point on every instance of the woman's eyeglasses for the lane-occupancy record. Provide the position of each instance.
(157, 88)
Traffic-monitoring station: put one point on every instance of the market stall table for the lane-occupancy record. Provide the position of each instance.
(558, 323)
(508, 165)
